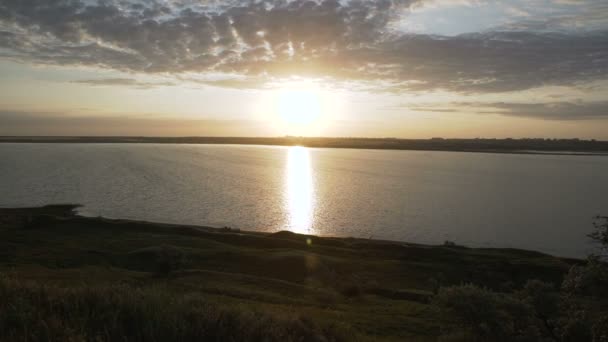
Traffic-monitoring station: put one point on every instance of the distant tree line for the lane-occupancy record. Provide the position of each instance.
(526, 145)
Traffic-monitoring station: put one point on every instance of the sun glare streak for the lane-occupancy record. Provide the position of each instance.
(299, 194)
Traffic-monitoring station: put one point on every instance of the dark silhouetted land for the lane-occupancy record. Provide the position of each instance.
(558, 146)
(67, 277)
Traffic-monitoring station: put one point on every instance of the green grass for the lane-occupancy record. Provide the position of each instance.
(122, 313)
(68, 272)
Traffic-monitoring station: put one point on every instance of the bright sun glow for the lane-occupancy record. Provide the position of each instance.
(302, 107)
(299, 107)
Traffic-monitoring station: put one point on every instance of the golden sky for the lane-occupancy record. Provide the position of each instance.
(400, 68)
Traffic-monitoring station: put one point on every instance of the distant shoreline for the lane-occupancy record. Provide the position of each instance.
(31, 216)
(510, 146)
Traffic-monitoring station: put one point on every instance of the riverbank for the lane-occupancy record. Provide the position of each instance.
(281, 285)
(481, 145)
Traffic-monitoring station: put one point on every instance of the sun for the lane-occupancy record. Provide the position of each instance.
(300, 108)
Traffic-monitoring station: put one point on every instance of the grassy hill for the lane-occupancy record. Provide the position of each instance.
(66, 277)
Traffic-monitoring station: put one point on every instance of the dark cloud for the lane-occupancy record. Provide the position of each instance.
(345, 40)
(545, 111)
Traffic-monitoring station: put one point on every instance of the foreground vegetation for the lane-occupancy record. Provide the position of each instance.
(33, 312)
(70, 278)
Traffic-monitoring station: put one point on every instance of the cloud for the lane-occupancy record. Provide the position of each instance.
(24, 123)
(243, 83)
(268, 39)
(564, 15)
(545, 111)
(129, 82)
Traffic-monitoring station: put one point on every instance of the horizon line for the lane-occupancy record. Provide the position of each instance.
(287, 137)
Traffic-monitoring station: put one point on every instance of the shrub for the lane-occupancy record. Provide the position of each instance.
(585, 303)
(600, 233)
(169, 259)
(351, 290)
(600, 329)
(577, 312)
(436, 282)
(542, 297)
(471, 313)
(575, 327)
(590, 279)
(544, 300)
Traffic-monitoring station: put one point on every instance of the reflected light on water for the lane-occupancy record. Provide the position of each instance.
(299, 192)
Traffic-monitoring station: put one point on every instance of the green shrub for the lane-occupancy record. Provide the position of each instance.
(590, 279)
(600, 329)
(471, 313)
(542, 297)
(575, 327)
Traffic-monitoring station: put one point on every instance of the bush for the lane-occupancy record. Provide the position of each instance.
(575, 327)
(600, 329)
(435, 282)
(585, 303)
(590, 279)
(351, 290)
(577, 312)
(169, 259)
(471, 313)
(600, 234)
(542, 297)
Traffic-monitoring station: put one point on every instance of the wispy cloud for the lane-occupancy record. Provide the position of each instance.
(545, 111)
(128, 82)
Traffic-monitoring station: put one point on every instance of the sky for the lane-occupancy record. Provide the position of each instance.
(386, 68)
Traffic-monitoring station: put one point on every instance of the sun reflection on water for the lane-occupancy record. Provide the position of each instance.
(299, 190)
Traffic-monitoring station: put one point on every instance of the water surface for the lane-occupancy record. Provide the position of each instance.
(539, 202)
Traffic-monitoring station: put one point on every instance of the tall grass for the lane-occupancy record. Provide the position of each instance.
(33, 312)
